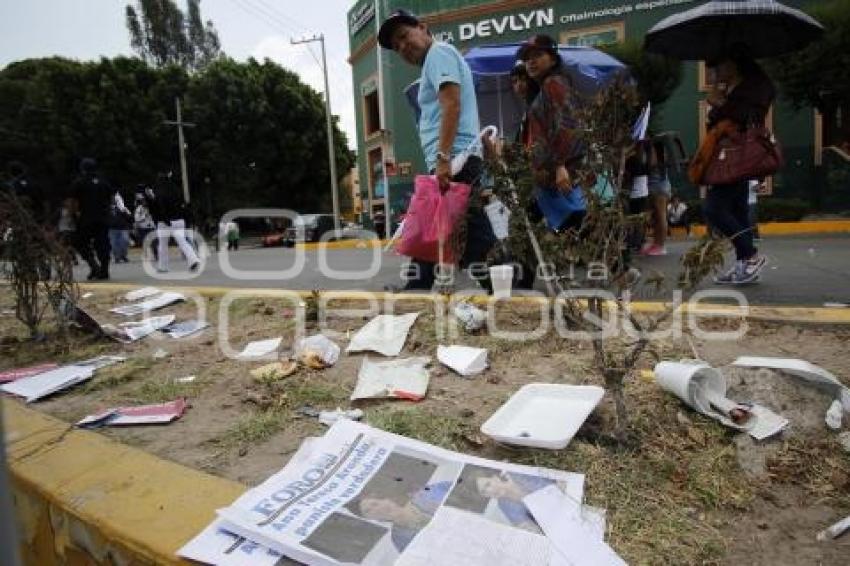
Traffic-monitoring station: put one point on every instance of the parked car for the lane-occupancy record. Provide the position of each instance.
(305, 228)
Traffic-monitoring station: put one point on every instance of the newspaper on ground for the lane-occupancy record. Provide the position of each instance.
(361, 496)
(384, 334)
(142, 293)
(572, 536)
(178, 330)
(161, 413)
(465, 360)
(405, 378)
(20, 373)
(41, 385)
(317, 352)
(157, 302)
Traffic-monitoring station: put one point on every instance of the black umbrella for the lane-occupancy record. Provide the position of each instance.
(767, 28)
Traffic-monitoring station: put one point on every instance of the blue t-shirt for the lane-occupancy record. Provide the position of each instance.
(443, 64)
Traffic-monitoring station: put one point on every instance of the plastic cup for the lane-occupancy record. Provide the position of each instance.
(502, 277)
(692, 381)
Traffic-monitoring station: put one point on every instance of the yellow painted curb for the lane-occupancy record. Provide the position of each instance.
(791, 228)
(798, 314)
(81, 498)
(343, 245)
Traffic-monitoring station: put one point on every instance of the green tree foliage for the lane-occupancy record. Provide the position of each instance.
(657, 76)
(161, 34)
(819, 75)
(260, 137)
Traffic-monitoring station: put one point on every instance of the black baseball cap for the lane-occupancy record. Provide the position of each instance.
(537, 43)
(395, 19)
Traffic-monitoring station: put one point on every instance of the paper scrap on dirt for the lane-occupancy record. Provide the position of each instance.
(807, 371)
(161, 413)
(328, 418)
(128, 332)
(406, 378)
(46, 383)
(465, 360)
(178, 330)
(317, 352)
(157, 302)
(20, 373)
(142, 293)
(360, 495)
(259, 349)
(572, 537)
(384, 334)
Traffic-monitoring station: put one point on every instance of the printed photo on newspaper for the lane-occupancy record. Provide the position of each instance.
(361, 496)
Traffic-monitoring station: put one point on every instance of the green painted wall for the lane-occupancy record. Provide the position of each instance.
(794, 128)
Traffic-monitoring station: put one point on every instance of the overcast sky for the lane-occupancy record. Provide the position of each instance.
(89, 29)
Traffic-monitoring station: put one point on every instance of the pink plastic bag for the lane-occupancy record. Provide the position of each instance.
(430, 219)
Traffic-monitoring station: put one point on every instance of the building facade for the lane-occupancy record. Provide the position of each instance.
(388, 148)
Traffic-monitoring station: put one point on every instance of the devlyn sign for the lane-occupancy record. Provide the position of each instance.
(546, 17)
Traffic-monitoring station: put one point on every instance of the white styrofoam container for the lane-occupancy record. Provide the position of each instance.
(543, 415)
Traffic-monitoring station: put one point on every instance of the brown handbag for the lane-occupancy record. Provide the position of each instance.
(752, 154)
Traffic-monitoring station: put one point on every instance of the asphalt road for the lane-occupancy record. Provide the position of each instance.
(802, 270)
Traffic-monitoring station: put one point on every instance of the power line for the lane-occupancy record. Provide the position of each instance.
(274, 10)
(270, 20)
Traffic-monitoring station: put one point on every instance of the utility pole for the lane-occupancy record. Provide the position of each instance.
(331, 152)
(181, 140)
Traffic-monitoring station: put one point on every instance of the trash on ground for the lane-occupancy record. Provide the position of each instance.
(807, 371)
(385, 334)
(501, 279)
(370, 465)
(543, 415)
(87, 295)
(836, 305)
(465, 360)
(470, 316)
(833, 415)
(41, 385)
(20, 373)
(142, 293)
(703, 388)
(259, 349)
(187, 379)
(406, 378)
(161, 413)
(274, 371)
(570, 533)
(160, 354)
(317, 352)
(152, 304)
(835, 530)
(128, 332)
(185, 328)
(328, 418)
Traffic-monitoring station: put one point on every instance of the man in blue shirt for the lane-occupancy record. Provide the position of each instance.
(447, 126)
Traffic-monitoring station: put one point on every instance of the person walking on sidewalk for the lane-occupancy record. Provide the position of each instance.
(743, 94)
(120, 220)
(448, 125)
(143, 223)
(168, 211)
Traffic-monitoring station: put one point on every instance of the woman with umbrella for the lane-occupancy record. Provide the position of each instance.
(742, 95)
(729, 36)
